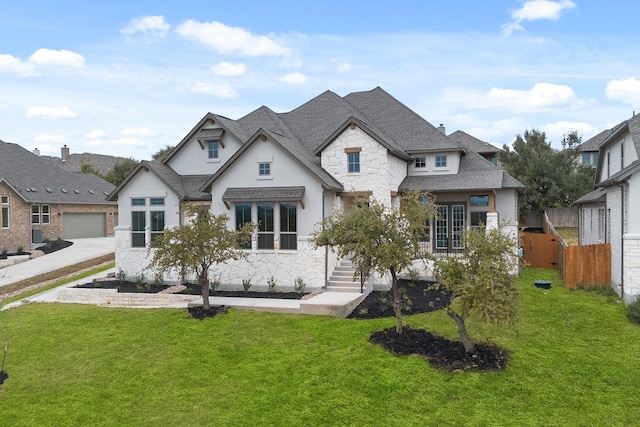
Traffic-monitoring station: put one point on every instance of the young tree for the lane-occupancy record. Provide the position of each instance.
(203, 241)
(480, 280)
(378, 238)
(88, 168)
(120, 171)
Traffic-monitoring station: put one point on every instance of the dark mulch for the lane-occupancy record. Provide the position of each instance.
(421, 297)
(3, 376)
(200, 313)
(440, 352)
(418, 297)
(55, 245)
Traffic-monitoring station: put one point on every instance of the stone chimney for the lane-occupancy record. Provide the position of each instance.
(64, 152)
(442, 129)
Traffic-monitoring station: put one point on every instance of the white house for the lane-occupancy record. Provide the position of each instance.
(287, 171)
(611, 212)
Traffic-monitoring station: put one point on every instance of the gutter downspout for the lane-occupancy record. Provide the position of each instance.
(621, 239)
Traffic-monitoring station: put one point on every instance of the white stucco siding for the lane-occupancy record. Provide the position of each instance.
(506, 204)
(379, 173)
(146, 185)
(285, 172)
(194, 160)
(452, 168)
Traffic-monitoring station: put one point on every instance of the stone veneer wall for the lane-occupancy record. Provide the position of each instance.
(380, 172)
(18, 235)
(284, 266)
(631, 267)
(113, 297)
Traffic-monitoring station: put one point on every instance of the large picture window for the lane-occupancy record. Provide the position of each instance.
(288, 227)
(157, 224)
(243, 216)
(265, 225)
(137, 229)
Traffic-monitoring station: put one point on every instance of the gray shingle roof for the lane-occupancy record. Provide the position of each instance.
(186, 187)
(37, 180)
(263, 194)
(597, 195)
(471, 143)
(475, 173)
(102, 163)
(594, 142)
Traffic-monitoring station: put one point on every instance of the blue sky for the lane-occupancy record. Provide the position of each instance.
(129, 77)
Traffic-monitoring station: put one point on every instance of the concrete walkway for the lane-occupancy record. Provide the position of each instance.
(338, 304)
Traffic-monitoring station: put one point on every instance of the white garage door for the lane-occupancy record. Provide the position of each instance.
(79, 225)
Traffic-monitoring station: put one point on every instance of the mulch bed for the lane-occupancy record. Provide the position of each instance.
(200, 313)
(54, 245)
(442, 353)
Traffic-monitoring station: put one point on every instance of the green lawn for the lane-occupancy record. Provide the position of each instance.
(575, 361)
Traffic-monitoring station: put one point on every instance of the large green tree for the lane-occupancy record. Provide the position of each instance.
(480, 280)
(378, 238)
(552, 178)
(120, 170)
(162, 153)
(196, 246)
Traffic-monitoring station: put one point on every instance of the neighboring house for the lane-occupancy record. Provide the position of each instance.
(39, 201)
(72, 162)
(611, 212)
(287, 171)
(589, 150)
(471, 143)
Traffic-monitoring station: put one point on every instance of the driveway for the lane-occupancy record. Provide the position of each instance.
(81, 250)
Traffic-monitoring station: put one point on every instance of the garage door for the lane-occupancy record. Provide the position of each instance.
(79, 225)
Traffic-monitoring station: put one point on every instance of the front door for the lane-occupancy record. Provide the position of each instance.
(450, 225)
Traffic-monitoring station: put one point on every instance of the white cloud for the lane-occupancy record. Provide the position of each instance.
(150, 25)
(533, 10)
(225, 39)
(221, 91)
(344, 67)
(229, 69)
(95, 134)
(625, 90)
(294, 78)
(137, 132)
(57, 58)
(556, 131)
(128, 142)
(11, 64)
(541, 96)
(50, 112)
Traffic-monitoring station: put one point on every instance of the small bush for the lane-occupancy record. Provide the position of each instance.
(121, 276)
(633, 311)
(271, 283)
(299, 285)
(246, 284)
(214, 283)
(414, 277)
(158, 279)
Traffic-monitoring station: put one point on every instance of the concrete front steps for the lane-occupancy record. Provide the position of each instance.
(341, 279)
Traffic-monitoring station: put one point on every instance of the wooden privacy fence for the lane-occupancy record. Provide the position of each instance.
(587, 266)
(540, 250)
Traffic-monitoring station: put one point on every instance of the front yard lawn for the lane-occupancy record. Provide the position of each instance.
(574, 360)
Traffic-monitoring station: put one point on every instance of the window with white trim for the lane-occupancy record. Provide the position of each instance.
(35, 214)
(45, 215)
(212, 148)
(421, 162)
(441, 161)
(4, 200)
(264, 169)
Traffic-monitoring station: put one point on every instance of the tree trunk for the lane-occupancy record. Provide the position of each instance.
(462, 330)
(204, 284)
(397, 300)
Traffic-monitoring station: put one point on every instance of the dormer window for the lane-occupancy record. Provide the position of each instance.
(421, 162)
(264, 169)
(441, 161)
(213, 149)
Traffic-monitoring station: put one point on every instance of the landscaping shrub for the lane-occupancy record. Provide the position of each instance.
(633, 311)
